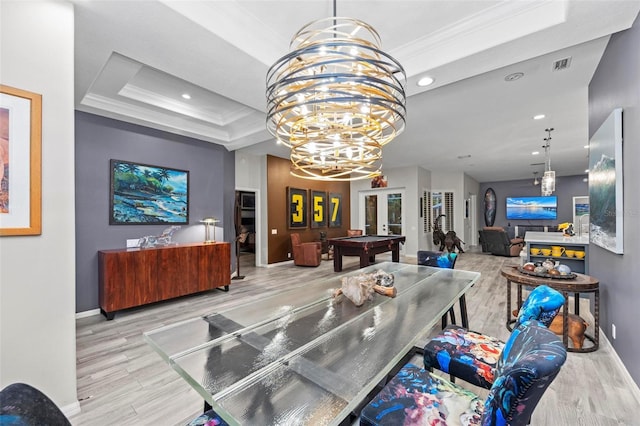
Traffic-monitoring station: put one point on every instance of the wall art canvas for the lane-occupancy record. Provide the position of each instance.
(335, 210)
(605, 184)
(20, 162)
(297, 208)
(318, 209)
(490, 205)
(148, 195)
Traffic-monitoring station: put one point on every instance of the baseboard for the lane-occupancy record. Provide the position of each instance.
(71, 409)
(633, 386)
(86, 314)
(275, 265)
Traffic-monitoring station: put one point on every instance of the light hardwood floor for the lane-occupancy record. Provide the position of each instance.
(122, 381)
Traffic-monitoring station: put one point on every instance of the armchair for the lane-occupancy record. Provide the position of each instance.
(305, 254)
(495, 240)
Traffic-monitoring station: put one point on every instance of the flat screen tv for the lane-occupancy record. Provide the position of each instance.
(532, 208)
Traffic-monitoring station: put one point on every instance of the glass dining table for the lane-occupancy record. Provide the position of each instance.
(303, 356)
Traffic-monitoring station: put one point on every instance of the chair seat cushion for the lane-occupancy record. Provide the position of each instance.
(417, 397)
(466, 354)
(208, 418)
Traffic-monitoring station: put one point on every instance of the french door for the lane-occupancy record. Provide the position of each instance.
(381, 212)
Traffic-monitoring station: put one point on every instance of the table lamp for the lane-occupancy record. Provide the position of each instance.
(208, 222)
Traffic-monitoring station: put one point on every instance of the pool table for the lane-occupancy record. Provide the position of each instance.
(365, 246)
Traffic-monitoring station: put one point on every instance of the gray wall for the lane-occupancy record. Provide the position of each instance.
(567, 187)
(616, 83)
(211, 185)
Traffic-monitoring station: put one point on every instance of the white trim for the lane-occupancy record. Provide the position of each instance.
(86, 314)
(71, 409)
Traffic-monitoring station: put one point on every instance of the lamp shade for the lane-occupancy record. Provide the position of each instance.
(208, 223)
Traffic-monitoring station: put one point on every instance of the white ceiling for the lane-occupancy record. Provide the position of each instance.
(135, 58)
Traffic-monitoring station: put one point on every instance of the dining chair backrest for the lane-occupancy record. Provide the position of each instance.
(439, 259)
(542, 304)
(530, 361)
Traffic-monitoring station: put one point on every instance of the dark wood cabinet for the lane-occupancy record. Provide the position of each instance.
(135, 277)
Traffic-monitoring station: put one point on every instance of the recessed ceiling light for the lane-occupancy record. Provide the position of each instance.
(186, 96)
(586, 146)
(425, 81)
(585, 180)
(535, 153)
(538, 117)
(514, 76)
(586, 171)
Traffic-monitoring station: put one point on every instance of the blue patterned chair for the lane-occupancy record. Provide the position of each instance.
(531, 360)
(24, 405)
(472, 356)
(208, 418)
(443, 259)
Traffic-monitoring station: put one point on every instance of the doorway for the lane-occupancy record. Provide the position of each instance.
(246, 226)
(382, 212)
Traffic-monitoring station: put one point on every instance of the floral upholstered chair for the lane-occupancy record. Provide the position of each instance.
(531, 360)
(208, 418)
(472, 356)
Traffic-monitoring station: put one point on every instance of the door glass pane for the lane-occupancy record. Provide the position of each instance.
(394, 213)
(371, 215)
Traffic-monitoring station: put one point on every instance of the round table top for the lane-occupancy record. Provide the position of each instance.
(578, 284)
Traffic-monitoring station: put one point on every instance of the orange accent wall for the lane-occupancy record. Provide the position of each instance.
(278, 179)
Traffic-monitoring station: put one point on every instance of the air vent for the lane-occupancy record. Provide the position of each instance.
(562, 64)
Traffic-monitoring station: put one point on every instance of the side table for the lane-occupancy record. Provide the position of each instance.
(581, 284)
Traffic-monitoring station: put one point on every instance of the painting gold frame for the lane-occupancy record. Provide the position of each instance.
(21, 133)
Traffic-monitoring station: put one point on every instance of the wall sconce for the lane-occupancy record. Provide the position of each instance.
(208, 223)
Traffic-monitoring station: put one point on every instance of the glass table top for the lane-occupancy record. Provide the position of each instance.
(301, 356)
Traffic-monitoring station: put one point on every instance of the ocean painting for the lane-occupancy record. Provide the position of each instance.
(532, 208)
(605, 184)
(145, 194)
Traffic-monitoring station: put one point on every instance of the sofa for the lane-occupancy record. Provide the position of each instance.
(495, 240)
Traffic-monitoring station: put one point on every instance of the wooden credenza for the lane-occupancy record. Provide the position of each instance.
(135, 277)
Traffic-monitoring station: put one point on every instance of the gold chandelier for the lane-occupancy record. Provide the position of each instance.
(335, 100)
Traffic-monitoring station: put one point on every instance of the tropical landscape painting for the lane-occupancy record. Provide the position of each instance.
(144, 194)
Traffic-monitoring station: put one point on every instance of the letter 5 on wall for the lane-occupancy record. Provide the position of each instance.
(318, 209)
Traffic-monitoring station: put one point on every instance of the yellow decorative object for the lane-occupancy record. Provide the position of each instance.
(566, 228)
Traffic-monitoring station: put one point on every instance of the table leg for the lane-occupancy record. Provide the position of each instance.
(576, 303)
(463, 312)
(364, 259)
(395, 253)
(565, 320)
(596, 318)
(508, 304)
(337, 259)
